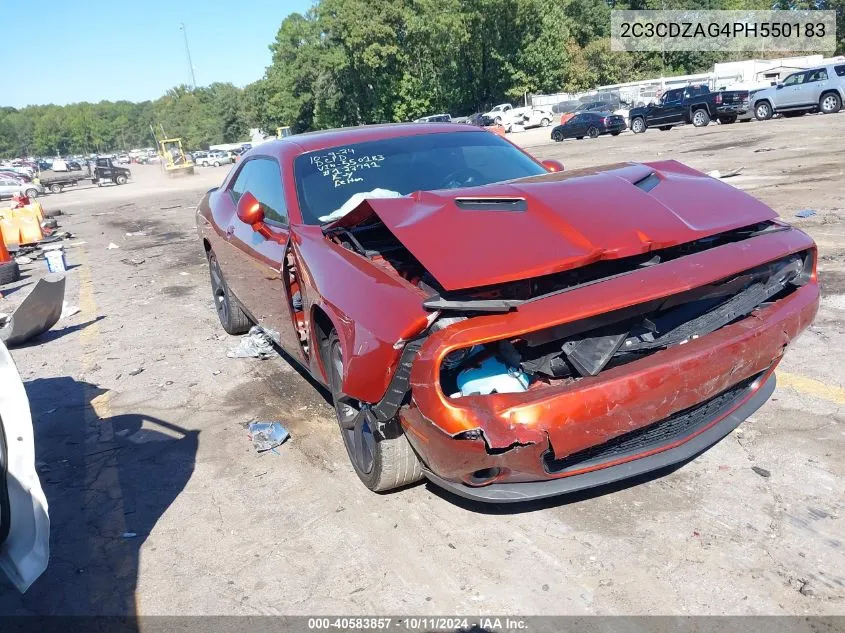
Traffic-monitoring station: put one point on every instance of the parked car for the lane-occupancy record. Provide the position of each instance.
(435, 118)
(591, 125)
(819, 89)
(9, 186)
(123, 159)
(591, 106)
(692, 104)
(496, 115)
(528, 118)
(215, 158)
(482, 369)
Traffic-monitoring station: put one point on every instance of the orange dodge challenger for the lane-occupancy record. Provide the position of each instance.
(508, 330)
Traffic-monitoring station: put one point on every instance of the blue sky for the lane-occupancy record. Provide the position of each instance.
(132, 49)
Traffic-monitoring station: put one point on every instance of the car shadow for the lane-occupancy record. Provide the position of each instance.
(524, 507)
(108, 481)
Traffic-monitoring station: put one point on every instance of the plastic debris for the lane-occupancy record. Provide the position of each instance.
(762, 471)
(133, 262)
(112, 246)
(23, 260)
(764, 149)
(266, 436)
(357, 199)
(37, 313)
(715, 173)
(135, 372)
(806, 213)
(256, 344)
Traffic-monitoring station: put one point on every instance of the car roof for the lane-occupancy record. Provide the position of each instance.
(312, 141)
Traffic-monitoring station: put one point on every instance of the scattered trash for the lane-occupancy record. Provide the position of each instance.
(714, 174)
(68, 310)
(112, 246)
(136, 233)
(133, 262)
(184, 274)
(805, 589)
(266, 436)
(764, 149)
(256, 344)
(135, 372)
(55, 260)
(173, 206)
(37, 313)
(719, 175)
(805, 213)
(49, 223)
(762, 471)
(23, 260)
(128, 535)
(53, 247)
(216, 372)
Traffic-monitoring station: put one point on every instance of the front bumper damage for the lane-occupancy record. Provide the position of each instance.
(629, 419)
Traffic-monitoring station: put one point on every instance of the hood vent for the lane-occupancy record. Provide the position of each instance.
(648, 183)
(492, 204)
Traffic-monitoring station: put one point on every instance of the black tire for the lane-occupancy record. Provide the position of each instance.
(55, 188)
(557, 136)
(9, 272)
(700, 118)
(120, 180)
(763, 111)
(665, 128)
(232, 317)
(593, 132)
(382, 464)
(830, 103)
(638, 125)
(31, 193)
(727, 120)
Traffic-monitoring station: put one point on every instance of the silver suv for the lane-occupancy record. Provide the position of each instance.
(819, 89)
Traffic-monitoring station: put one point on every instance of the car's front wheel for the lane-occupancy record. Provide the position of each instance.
(638, 125)
(381, 463)
(31, 193)
(763, 111)
(229, 311)
(557, 136)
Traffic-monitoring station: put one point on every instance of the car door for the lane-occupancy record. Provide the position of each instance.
(788, 93)
(577, 125)
(253, 262)
(8, 187)
(24, 521)
(673, 107)
(811, 90)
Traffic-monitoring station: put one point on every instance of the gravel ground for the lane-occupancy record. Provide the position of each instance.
(159, 505)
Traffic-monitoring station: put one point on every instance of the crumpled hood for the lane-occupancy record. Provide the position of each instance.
(536, 226)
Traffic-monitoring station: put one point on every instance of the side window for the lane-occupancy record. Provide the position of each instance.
(794, 80)
(816, 75)
(840, 70)
(262, 178)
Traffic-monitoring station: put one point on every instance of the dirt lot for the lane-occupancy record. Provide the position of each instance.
(160, 505)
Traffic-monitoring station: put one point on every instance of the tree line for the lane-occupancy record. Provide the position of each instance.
(351, 62)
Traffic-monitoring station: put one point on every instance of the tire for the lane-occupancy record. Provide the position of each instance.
(31, 193)
(830, 103)
(665, 128)
(763, 111)
(557, 136)
(497, 120)
(9, 272)
(382, 464)
(727, 120)
(638, 125)
(56, 188)
(217, 163)
(700, 118)
(593, 132)
(120, 180)
(229, 310)
(545, 122)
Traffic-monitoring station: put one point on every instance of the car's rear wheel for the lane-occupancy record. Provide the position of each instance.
(638, 125)
(545, 122)
(217, 163)
(229, 311)
(56, 188)
(557, 135)
(593, 132)
(381, 463)
(700, 118)
(31, 193)
(830, 103)
(763, 111)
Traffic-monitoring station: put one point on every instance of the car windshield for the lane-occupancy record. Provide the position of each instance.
(327, 179)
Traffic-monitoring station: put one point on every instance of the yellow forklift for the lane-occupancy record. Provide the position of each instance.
(173, 158)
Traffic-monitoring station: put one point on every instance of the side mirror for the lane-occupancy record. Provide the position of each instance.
(779, 86)
(553, 165)
(250, 211)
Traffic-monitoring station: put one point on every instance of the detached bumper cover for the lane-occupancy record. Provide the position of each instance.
(527, 491)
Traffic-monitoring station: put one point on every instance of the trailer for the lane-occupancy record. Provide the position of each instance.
(104, 171)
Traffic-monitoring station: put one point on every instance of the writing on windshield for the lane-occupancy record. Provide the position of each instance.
(343, 166)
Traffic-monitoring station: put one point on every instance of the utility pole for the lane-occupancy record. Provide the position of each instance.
(188, 53)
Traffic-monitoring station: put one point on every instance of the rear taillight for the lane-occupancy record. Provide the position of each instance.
(718, 99)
